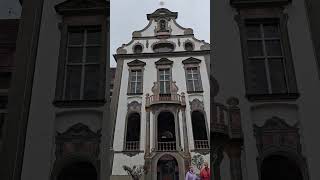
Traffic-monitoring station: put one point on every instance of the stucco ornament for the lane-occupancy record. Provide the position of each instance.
(135, 172)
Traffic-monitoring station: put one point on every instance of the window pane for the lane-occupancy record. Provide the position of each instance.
(255, 48)
(162, 90)
(139, 78)
(258, 78)
(190, 85)
(277, 76)
(273, 48)
(93, 36)
(253, 31)
(139, 87)
(76, 37)
(91, 83)
(271, 30)
(133, 87)
(93, 54)
(167, 77)
(75, 54)
(198, 85)
(73, 83)
(167, 88)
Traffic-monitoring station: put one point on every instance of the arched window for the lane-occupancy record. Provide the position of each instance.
(133, 132)
(166, 132)
(199, 128)
(79, 171)
(277, 167)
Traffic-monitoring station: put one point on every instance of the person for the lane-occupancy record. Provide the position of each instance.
(205, 172)
(190, 174)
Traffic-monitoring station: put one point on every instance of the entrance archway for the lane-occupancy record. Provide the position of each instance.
(78, 171)
(167, 168)
(277, 167)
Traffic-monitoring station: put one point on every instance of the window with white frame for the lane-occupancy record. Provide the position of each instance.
(193, 79)
(164, 80)
(136, 77)
(82, 67)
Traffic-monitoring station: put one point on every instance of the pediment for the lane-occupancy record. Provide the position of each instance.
(71, 7)
(164, 61)
(191, 60)
(162, 13)
(136, 63)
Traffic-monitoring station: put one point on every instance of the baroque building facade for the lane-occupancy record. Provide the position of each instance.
(161, 100)
(271, 76)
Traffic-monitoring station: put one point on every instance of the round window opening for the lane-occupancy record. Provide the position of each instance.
(188, 46)
(137, 49)
(163, 47)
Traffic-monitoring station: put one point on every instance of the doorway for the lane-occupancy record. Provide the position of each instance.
(167, 168)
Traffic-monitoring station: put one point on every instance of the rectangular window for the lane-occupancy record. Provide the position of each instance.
(193, 79)
(135, 81)
(266, 59)
(164, 80)
(82, 67)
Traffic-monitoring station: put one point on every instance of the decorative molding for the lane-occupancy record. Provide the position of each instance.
(196, 105)
(134, 106)
(164, 61)
(191, 60)
(136, 63)
(276, 133)
(258, 3)
(78, 138)
(162, 13)
(80, 7)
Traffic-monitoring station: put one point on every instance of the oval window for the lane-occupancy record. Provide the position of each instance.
(188, 46)
(137, 49)
(163, 47)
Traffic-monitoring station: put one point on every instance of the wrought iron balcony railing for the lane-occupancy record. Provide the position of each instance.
(167, 146)
(171, 97)
(132, 145)
(201, 144)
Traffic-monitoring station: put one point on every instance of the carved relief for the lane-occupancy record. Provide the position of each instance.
(278, 134)
(78, 138)
(196, 105)
(134, 106)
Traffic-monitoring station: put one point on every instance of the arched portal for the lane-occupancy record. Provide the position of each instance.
(199, 129)
(78, 171)
(277, 167)
(167, 168)
(166, 132)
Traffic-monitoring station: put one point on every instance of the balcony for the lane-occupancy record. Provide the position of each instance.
(132, 145)
(167, 146)
(201, 144)
(172, 97)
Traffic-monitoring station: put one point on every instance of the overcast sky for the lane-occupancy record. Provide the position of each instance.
(127, 16)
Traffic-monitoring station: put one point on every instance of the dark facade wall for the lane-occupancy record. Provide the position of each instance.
(313, 7)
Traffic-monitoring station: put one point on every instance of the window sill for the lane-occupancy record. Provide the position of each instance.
(79, 103)
(134, 94)
(193, 92)
(272, 97)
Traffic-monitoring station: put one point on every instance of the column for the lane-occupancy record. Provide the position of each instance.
(234, 153)
(185, 132)
(147, 144)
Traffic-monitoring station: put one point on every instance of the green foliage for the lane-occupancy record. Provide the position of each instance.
(197, 160)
